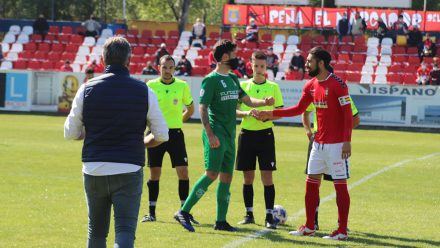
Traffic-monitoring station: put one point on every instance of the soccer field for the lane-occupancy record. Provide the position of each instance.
(395, 192)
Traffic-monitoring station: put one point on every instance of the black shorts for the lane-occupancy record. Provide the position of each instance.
(175, 146)
(256, 144)
(326, 177)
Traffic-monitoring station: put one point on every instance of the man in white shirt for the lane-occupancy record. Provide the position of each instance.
(198, 32)
(92, 27)
(111, 113)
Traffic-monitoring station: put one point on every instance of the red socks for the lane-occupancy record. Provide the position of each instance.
(343, 202)
(311, 200)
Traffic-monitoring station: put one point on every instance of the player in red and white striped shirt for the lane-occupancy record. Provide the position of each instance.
(332, 145)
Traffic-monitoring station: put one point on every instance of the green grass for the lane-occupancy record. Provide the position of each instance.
(43, 205)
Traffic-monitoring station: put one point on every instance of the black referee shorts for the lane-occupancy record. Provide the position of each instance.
(326, 177)
(175, 147)
(256, 144)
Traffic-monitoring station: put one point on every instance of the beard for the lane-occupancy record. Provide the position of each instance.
(314, 73)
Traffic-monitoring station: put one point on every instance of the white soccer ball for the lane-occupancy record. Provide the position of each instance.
(279, 214)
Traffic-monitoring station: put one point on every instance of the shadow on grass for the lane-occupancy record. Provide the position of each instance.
(376, 239)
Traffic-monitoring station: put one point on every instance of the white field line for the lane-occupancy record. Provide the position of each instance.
(257, 234)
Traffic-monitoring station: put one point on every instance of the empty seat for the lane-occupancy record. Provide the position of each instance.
(385, 51)
(47, 65)
(54, 56)
(345, 49)
(360, 49)
(57, 47)
(380, 79)
(353, 77)
(366, 79)
(226, 35)
(173, 34)
(358, 58)
(278, 48)
(410, 79)
(372, 51)
(34, 65)
(279, 39)
(9, 38)
(105, 33)
(396, 68)
(40, 55)
(385, 60)
(340, 67)
(83, 50)
(160, 33)
(14, 29)
(20, 65)
(373, 42)
(23, 38)
(12, 56)
(387, 42)
(306, 39)
(76, 39)
(16, 48)
(399, 59)
(371, 60)
(64, 38)
(413, 60)
(398, 50)
(5, 47)
(359, 41)
(54, 29)
(101, 40)
(343, 58)
(6, 65)
(394, 79)
(368, 70)
(192, 54)
(27, 30)
(132, 33)
(293, 40)
(381, 70)
(66, 30)
(89, 41)
(346, 40)
(43, 47)
(413, 51)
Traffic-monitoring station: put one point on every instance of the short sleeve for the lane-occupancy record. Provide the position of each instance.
(206, 92)
(187, 98)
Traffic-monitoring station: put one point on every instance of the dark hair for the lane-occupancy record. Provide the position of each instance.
(258, 55)
(166, 58)
(90, 71)
(116, 51)
(320, 53)
(223, 47)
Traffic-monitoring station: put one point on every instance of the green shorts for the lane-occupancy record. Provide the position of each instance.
(220, 159)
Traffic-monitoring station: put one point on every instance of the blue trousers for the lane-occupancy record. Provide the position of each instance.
(123, 192)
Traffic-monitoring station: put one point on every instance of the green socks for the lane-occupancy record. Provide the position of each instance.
(223, 195)
(197, 192)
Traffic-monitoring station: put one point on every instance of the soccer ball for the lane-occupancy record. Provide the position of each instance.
(279, 214)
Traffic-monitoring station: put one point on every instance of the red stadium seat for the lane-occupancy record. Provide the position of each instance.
(226, 35)
(26, 55)
(68, 56)
(138, 51)
(214, 35)
(137, 59)
(50, 38)
(331, 48)
(413, 51)
(340, 67)
(346, 40)
(360, 49)
(30, 47)
(411, 69)
(428, 60)
(43, 47)
(199, 71)
(399, 50)
(76, 39)
(54, 56)
(204, 52)
(345, 49)
(333, 39)
(266, 38)
(210, 43)
(120, 31)
(306, 39)
(413, 60)
(133, 68)
(20, 65)
(305, 47)
(410, 79)
(399, 59)
(132, 40)
(264, 45)
(132, 33)
(64, 38)
(57, 47)
(156, 41)
(143, 41)
(54, 30)
(80, 30)
(394, 79)
(36, 38)
(343, 58)
(147, 33)
(359, 41)
(396, 69)
(201, 62)
(173, 34)
(34, 65)
(358, 58)
(319, 40)
(160, 33)
(356, 68)
(240, 36)
(71, 48)
(251, 45)
(48, 65)
(341, 74)
(40, 55)
(353, 77)
(67, 30)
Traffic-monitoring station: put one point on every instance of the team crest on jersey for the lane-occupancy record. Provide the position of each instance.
(175, 101)
(326, 91)
(344, 100)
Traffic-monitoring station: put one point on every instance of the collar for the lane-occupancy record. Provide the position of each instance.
(265, 80)
(174, 79)
(117, 69)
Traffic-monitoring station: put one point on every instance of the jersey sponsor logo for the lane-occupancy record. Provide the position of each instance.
(344, 100)
(202, 92)
(321, 104)
(229, 95)
(272, 163)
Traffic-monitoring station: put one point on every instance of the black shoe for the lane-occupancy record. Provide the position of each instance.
(271, 225)
(224, 226)
(191, 218)
(183, 218)
(248, 219)
(149, 218)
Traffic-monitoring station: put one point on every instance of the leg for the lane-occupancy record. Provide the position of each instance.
(153, 189)
(269, 195)
(126, 197)
(248, 191)
(199, 190)
(99, 207)
(182, 174)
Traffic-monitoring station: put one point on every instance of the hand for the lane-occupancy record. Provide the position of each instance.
(214, 142)
(264, 115)
(309, 134)
(253, 113)
(346, 150)
(269, 101)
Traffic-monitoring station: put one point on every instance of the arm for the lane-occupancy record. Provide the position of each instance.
(252, 102)
(306, 123)
(356, 121)
(156, 123)
(189, 111)
(74, 126)
(213, 140)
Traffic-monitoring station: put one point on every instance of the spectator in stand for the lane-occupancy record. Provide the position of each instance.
(381, 30)
(272, 61)
(297, 62)
(399, 28)
(198, 32)
(149, 69)
(429, 49)
(242, 67)
(92, 27)
(415, 38)
(98, 68)
(435, 74)
(184, 67)
(249, 69)
(359, 25)
(289, 75)
(41, 26)
(211, 60)
(66, 67)
(423, 74)
(162, 51)
(343, 28)
(251, 32)
(90, 73)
